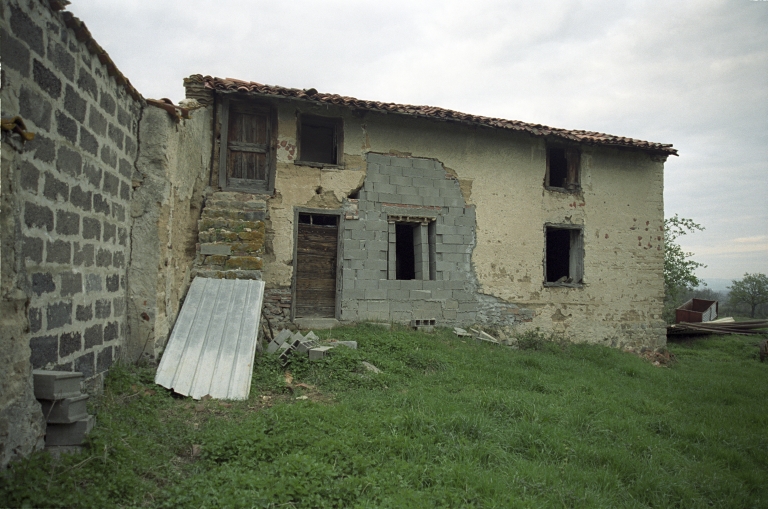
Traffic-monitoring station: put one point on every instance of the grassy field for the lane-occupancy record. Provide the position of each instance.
(449, 423)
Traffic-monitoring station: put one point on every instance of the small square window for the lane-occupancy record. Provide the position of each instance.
(319, 141)
(563, 168)
(564, 262)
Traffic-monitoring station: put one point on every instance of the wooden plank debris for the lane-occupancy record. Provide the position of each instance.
(750, 327)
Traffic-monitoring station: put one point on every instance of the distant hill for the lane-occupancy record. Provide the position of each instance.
(718, 284)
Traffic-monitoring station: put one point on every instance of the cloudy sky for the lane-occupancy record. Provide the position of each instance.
(691, 73)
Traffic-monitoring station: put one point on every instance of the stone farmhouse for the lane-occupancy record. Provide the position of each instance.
(349, 210)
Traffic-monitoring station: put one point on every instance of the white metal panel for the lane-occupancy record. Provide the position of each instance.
(211, 348)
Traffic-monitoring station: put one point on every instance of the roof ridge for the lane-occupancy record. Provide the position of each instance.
(425, 111)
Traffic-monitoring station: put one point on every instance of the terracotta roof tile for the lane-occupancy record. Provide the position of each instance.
(589, 137)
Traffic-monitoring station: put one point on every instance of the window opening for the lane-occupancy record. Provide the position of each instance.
(412, 251)
(564, 256)
(318, 219)
(558, 167)
(563, 168)
(405, 251)
(319, 140)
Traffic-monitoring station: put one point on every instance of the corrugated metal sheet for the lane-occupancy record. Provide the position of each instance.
(211, 348)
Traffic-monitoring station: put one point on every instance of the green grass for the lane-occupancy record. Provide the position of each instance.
(449, 423)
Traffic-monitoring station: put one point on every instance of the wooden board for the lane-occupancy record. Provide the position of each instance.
(316, 248)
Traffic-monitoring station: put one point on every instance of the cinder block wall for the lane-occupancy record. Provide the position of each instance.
(70, 188)
(421, 187)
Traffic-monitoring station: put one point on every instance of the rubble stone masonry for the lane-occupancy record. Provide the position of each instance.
(65, 255)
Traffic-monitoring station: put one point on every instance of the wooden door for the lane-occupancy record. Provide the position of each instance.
(316, 249)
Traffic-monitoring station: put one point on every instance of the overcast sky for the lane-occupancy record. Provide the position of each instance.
(690, 73)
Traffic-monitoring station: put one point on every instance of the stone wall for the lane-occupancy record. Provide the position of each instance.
(70, 188)
(170, 183)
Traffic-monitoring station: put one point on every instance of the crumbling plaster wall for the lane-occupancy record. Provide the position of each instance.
(21, 421)
(619, 206)
(172, 174)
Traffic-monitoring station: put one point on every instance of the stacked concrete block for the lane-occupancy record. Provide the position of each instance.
(64, 407)
(72, 187)
(421, 193)
(424, 325)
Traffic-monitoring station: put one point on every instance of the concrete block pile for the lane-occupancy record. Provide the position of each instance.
(64, 407)
(287, 343)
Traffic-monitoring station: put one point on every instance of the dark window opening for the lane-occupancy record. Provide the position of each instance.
(318, 219)
(558, 167)
(563, 168)
(564, 256)
(319, 140)
(406, 261)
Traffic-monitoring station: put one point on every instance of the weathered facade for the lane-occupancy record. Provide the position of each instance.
(433, 214)
(349, 210)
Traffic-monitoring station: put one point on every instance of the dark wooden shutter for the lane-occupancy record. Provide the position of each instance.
(248, 142)
(316, 270)
(247, 158)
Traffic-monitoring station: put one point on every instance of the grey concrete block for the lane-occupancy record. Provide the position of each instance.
(353, 293)
(66, 410)
(377, 178)
(69, 434)
(372, 157)
(319, 352)
(408, 190)
(216, 249)
(361, 235)
(398, 294)
(411, 284)
(415, 200)
(306, 345)
(378, 265)
(424, 164)
(389, 198)
(375, 294)
(420, 294)
(54, 385)
(282, 336)
(401, 162)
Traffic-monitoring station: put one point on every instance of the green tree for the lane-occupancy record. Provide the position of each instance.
(752, 290)
(678, 265)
